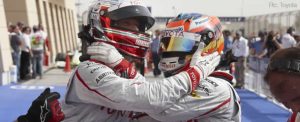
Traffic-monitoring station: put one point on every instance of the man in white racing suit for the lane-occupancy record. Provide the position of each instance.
(97, 93)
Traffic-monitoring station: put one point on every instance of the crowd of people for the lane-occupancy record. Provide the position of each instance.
(28, 47)
(259, 46)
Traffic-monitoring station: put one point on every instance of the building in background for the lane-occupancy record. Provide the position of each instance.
(57, 16)
(279, 22)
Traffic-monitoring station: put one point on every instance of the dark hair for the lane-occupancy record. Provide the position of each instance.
(296, 35)
(239, 33)
(271, 35)
(262, 33)
(157, 32)
(24, 29)
(226, 33)
(290, 30)
(20, 24)
(35, 28)
(13, 27)
(285, 61)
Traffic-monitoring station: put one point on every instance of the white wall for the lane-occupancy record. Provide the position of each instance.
(215, 7)
(222, 7)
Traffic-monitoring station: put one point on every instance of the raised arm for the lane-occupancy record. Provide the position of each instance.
(101, 86)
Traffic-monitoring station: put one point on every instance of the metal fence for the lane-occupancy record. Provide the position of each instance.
(254, 80)
(254, 77)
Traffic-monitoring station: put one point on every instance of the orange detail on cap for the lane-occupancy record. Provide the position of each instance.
(220, 47)
(175, 24)
(214, 20)
(187, 25)
(210, 47)
(216, 45)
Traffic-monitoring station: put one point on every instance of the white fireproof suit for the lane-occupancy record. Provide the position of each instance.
(96, 94)
(295, 117)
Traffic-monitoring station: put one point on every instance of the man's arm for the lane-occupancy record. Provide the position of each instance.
(101, 86)
(96, 83)
(277, 44)
(213, 97)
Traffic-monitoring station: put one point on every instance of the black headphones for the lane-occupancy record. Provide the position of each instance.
(291, 65)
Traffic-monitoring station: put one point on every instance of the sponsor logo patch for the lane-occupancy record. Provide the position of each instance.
(89, 64)
(119, 113)
(97, 68)
(178, 32)
(212, 82)
(205, 89)
(100, 77)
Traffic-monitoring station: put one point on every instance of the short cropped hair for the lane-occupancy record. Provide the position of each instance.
(285, 61)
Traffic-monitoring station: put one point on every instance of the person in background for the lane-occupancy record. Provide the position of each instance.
(15, 44)
(227, 40)
(270, 45)
(297, 38)
(47, 45)
(10, 29)
(20, 25)
(288, 39)
(155, 50)
(25, 54)
(256, 45)
(283, 77)
(240, 50)
(38, 48)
